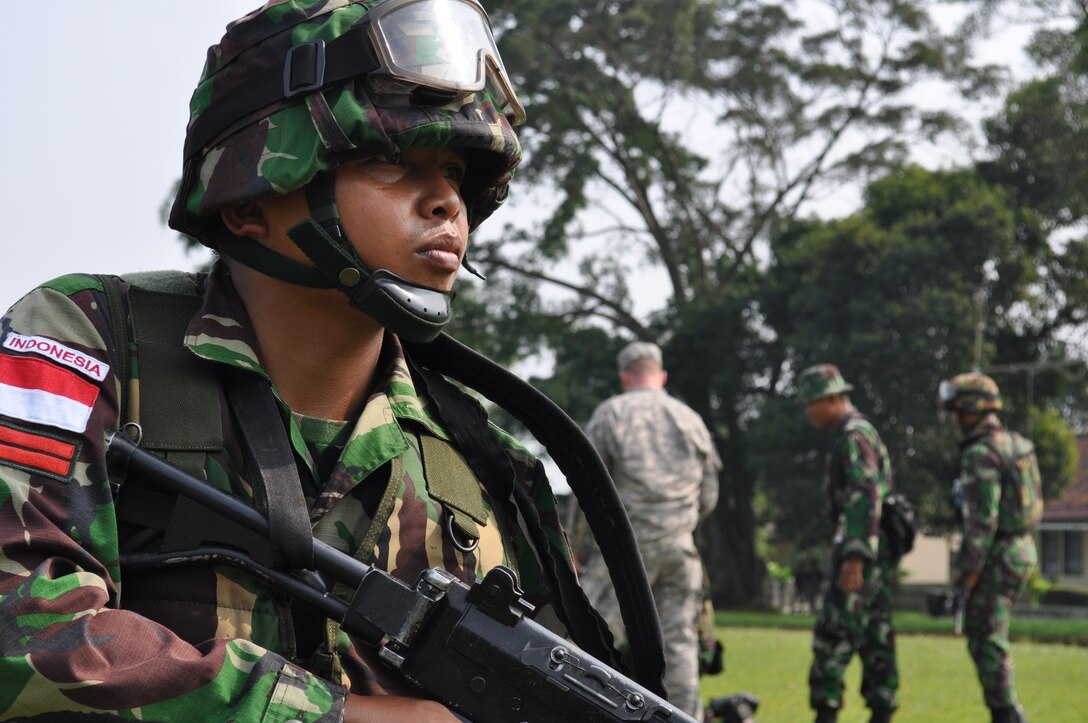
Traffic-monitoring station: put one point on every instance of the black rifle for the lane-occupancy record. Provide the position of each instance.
(471, 648)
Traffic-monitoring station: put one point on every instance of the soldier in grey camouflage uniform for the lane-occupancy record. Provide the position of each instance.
(1001, 503)
(330, 149)
(663, 461)
(856, 613)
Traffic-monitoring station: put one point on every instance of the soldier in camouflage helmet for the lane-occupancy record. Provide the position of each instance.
(335, 148)
(665, 466)
(1001, 502)
(856, 615)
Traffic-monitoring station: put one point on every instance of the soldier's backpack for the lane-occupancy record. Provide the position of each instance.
(1021, 479)
(899, 524)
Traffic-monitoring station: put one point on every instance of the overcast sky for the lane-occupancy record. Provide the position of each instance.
(96, 98)
(96, 102)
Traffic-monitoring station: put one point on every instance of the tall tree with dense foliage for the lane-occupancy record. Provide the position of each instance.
(668, 141)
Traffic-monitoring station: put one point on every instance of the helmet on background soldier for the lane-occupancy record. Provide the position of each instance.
(973, 393)
(298, 87)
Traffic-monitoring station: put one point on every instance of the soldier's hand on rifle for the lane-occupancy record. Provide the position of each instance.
(850, 574)
(969, 580)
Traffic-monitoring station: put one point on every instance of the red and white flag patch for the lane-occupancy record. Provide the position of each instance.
(66, 355)
(37, 452)
(38, 391)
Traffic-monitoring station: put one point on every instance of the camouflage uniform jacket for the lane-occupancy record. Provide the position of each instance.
(984, 453)
(858, 478)
(202, 642)
(662, 459)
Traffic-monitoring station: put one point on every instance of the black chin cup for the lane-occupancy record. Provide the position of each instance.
(413, 312)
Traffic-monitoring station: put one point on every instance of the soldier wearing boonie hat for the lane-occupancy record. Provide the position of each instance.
(821, 380)
(337, 155)
(855, 616)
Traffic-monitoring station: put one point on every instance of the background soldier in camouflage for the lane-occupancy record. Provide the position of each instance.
(1001, 503)
(399, 186)
(857, 598)
(665, 467)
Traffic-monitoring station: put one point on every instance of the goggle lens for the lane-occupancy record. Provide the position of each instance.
(446, 45)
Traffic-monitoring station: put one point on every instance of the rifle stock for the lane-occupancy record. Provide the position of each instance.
(472, 648)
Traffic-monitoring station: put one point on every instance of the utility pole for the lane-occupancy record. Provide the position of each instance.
(1031, 368)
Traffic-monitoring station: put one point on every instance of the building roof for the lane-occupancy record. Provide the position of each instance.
(1072, 503)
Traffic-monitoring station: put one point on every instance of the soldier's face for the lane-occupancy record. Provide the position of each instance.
(407, 217)
(821, 412)
(965, 421)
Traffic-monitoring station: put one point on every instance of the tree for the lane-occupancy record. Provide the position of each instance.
(891, 294)
(677, 137)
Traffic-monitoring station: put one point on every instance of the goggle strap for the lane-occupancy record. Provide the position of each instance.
(306, 68)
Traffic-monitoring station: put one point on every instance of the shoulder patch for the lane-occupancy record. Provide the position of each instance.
(69, 357)
(35, 390)
(37, 452)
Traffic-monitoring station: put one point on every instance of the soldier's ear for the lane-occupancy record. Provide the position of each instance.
(246, 219)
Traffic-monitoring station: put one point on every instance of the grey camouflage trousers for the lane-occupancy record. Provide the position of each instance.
(675, 573)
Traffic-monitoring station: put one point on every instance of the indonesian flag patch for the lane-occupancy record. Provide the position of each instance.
(42, 392)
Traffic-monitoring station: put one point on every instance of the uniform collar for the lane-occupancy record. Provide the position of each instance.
(222, 332)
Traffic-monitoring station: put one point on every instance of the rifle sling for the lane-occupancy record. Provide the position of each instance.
(467, 422)
(591, 484)
(272, 470)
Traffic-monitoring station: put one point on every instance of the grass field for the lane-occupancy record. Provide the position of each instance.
(937, 678)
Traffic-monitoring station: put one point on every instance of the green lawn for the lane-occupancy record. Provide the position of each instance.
(937, 679)
(1073, 632)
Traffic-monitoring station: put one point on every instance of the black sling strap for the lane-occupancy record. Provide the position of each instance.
(591, 483)
(272, 469)
(467, 423)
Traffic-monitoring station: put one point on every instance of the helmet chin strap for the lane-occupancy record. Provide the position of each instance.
(414, 312)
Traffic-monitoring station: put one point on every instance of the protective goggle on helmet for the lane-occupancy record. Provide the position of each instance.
(414, 51)
(460, 59)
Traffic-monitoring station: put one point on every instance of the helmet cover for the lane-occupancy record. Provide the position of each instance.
(282, 147)
(971, 392)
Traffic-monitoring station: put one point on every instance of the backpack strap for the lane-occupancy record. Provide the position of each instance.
(148, 325)
(160, 306)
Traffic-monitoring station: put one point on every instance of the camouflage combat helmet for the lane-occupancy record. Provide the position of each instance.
(298, 87)
(819, 381)
(971, 392)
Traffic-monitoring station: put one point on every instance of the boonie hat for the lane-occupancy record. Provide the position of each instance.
(819, 381)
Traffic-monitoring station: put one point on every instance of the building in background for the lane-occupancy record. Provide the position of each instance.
(1062, 536)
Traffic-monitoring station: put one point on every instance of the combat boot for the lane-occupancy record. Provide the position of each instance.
(881, 715)
(827, 715)
(1014, 714)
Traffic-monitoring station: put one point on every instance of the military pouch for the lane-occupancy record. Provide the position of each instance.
(451, 481)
